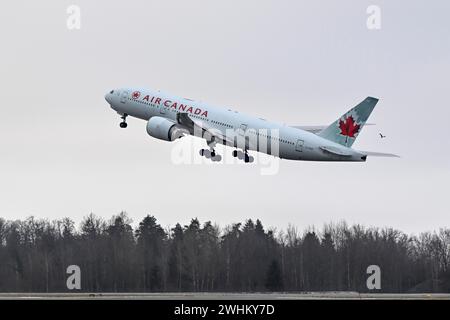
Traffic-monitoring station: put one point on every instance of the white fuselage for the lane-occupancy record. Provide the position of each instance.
(289, 142)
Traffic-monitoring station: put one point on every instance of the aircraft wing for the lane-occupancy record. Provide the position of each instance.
(185, 120)
(194, 125)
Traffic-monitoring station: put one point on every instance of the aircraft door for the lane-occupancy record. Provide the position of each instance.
(242, 129)
(299, 145)
(124, 96)
(240, 140)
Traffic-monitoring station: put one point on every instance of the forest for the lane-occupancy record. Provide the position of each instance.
(117, 256)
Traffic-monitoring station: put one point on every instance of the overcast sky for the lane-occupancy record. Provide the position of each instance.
(298, 62)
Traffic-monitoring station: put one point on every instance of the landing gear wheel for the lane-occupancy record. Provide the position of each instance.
(123, 124)
(235, 153)
(213, 154)
(246, 158)
(202, 152)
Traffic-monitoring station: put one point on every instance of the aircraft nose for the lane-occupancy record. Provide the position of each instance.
(108, 96)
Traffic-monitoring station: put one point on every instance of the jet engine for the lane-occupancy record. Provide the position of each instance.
(163, 129)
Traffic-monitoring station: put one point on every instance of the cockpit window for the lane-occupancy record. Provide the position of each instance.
(112, 91)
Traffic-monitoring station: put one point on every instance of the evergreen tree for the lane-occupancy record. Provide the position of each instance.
(151, 239)
(274, 281)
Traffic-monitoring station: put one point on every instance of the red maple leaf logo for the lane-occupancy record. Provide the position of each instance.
(136, 94)
(349, 127)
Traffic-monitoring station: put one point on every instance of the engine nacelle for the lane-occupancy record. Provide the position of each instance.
(161, 128)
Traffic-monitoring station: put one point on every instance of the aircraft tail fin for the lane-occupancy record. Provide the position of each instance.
(345, 130)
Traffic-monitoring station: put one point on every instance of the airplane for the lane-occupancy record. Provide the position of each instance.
(170, 117)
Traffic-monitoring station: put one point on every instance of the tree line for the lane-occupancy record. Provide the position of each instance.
(113, 256)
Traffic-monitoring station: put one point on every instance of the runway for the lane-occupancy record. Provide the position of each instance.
(224, 296)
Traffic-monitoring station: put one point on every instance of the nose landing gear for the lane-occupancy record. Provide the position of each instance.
(124, 124)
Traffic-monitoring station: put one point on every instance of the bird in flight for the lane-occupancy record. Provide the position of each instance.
(382, 136)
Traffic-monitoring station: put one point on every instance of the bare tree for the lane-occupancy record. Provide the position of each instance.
(113, 256)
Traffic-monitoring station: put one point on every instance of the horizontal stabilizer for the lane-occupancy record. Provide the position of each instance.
(318, 129)
(312, 129)
(379, 154)
(336, 151)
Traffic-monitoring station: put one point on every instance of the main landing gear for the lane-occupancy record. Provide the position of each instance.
(211, 153)
(124, 124)
(243, 156)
